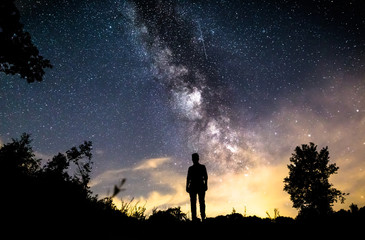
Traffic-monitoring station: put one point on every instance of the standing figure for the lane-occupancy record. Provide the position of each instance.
(197, 184)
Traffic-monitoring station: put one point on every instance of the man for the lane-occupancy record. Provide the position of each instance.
(197, 184)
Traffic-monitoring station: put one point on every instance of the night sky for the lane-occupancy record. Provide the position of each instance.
(240, 82)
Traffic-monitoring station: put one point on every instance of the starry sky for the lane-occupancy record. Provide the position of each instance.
(241, 82)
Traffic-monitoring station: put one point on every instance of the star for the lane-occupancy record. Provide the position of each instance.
(241, 82)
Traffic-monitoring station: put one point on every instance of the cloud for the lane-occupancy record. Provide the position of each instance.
(138, 178)
(253, 193)
(151, 163)
(108, 177)
(113, 176)
(159, 183)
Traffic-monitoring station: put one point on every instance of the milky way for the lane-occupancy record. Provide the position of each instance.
(181, 64)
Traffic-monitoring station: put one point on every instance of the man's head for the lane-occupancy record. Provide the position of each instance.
(195, 158)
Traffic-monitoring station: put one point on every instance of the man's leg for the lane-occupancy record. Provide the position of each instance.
(202, 204)
(193, 205)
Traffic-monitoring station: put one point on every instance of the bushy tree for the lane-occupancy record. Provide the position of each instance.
(307, 183)
(53, 194)
(60, 164)
(17, 158)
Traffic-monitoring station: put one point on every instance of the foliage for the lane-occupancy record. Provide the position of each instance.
(275, 216)
(307, 183)
(17, 158)
(136, 211)
(60, 163)
(53, 198)
(171, 215)
(18, 55)
(51, 192)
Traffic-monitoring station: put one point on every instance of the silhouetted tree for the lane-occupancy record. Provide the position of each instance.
(60, 163)
(18, 55)
(354, 208)
(52, 195)
(308, 184)
(17, 158)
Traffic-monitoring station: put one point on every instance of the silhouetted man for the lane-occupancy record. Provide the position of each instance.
(197, 184)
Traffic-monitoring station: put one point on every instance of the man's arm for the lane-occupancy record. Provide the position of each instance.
(188, 179)
(206, 178)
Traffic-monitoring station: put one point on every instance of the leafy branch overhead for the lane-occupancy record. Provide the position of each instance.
(18, 55)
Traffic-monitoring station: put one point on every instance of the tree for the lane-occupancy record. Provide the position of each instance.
(60, 163)
(53, 184)
(307, 183)
(18, 55)
(17, 158)
(21, 169)
(54, 198)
